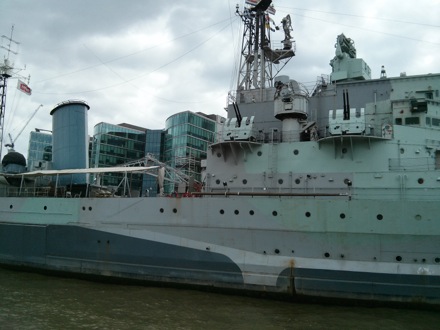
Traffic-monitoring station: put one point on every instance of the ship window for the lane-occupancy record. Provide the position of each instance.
(412, 121)
(428, 121)
(437, 160)
(435, 122)
(398, 121)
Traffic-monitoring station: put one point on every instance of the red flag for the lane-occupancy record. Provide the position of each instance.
(24, 88)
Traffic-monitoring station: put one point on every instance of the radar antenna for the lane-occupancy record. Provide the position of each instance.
(261, 59)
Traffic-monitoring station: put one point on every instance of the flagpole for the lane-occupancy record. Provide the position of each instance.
(3, 89)
(6, 72)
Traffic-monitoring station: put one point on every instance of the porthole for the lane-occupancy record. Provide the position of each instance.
(326, 254)
(344, 150)
(399, 258)
(251, 212)
(280, 181)
(437, 260)
(259, 153)
(274, 213)
(217, 181)
(418, 217)
(174, 210)
(342, 215)
(348, 182)
(297, 181)
(161, 210)
(244, 181)
(11, 206)
(402, 151)
(308, 214)
(90, 208)
(219, 154)
(84, 208)
(379, 217)
(236, 212)
(45, 207)
(420, 180)
(222, 211)
(277, 251)
(295, 152)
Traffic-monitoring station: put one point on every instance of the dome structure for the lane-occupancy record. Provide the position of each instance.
(14, 162)
(13, 157)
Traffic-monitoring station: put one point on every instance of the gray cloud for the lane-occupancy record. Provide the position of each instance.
(141, 61)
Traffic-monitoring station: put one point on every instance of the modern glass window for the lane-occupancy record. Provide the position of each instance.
(187, 136)
(115, 145)
(40, 150)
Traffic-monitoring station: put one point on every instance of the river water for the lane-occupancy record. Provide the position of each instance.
(35, 301)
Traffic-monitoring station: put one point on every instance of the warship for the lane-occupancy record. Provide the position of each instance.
(331, 193)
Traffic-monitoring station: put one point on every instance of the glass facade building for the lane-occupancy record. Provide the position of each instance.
(154, 147)
(181, 145)
(39, 151)
(187, 136)
(114, 145)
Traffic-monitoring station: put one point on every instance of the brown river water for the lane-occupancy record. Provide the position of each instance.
(36, 301)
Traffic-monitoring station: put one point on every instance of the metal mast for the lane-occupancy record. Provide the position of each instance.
(5, 72)
(258, 59)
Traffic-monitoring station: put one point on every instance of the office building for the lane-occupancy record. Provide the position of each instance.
(187, 136)
(40, 150)
(115, 145)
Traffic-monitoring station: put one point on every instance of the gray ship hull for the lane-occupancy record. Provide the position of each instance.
(156, 240)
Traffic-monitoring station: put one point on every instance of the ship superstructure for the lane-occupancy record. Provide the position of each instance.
(328, 193)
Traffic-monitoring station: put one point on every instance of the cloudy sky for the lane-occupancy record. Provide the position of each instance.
(140, 61)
